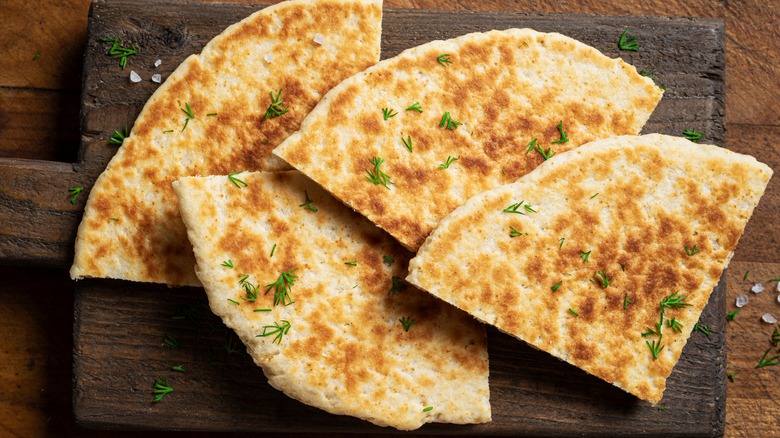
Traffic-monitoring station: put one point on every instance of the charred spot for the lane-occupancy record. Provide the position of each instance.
(478, 164)
(582, 351)
(586, 308)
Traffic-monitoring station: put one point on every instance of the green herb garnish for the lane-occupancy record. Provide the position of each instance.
(556, 286)
(573, 312)
(627, 42)
(770, 362)
(351, 263)
(407, 142)
(161, 389)
(307, 203)
(746, 276)
(228, 264)
(585, 255)
(448, 122)
(655, 347)
(701, 328)
(603, 278)
(233, 301)
(561, 245)
(450, 160)
(514, 208)
(626, 302)
(691, 251)
(594, 195)
(179, 368)
(674, 302)
(397, 285)
(117, 51)
(428, 408)
(171, 342)
(407, 322)
(167, 131)
(388, 259)
(282, 287)
(276, 329)
(545, 154)
(276, 108)
(564, 138)
(236, 182)
(263, 309)
(513, 232)
(376, 176)
(444, 59)
(415, 107)
(273, 249)
(675, 325)
(211, 114)
(692, 135)
(388, 112)
(249, 288)
(74, 193)
(775, 339)
(37, 55)
(530, 146)
(119, 136)
(731, 315)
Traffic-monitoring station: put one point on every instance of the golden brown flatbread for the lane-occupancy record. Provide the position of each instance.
(577, 257)
(221, 111)
(343, 332)
(410, 139)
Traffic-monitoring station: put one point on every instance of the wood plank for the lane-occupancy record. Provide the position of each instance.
(120, 326)
(119, 352)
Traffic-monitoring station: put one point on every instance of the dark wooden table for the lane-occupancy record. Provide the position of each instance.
(39, 104)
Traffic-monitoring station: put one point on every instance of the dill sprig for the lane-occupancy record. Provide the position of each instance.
(546, 154)
(74, 193)
(701, 328)
(450, 160)
(448, 122)
(377, 176)
(603, 278)
(731, 315)
(119, 136)
(564, 138)
(627, 42)
(585, 255)
(276, 108)
(768, 362)
(161, 389)
(388, 112)
(573, 312)
(674, 324)
(282, 287)
(407, 322)
(118, 51)
(674, 301)
(179, 368)
(691, 251)
(513, 232)
(249, 288)
(414, 107)
(351, 263)
(514, 208)
(236, 182)
(626, 301)
(407, 142)
(307, 203)
(692, 135)
(556, 286)
(276, 329)
(228, 264)
(444, 59)
(171, 342)
(397, 285)
(388, 259)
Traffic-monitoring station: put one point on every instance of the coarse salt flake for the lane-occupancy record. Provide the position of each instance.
(158, 62)
(768, 318)
(269, 57)
(157, 78)
(319, 38)
(742, 300)
(757, 288)
(134, 76)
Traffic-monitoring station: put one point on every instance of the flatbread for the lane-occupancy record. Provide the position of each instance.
(346, 350)
(631, 208)
(505, 87)
(131, 228)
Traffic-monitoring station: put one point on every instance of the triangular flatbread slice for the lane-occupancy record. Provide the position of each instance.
(219, 112)
(577, 257)
(410, 139)
(342, 331)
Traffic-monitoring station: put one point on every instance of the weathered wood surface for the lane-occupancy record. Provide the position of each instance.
(120, 326)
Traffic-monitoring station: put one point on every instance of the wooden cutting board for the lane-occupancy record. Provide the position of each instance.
(120, 327)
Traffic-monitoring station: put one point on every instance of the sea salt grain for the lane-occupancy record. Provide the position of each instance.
(768, 318)
(158, 62)
(157, 78)
(742, 300)
(319, 38)
(269, 57)
(757, 288)
(134, 76)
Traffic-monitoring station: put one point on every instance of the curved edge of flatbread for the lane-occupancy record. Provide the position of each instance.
(131, 228)
(654, 215)
(506, 88)
(346, 350)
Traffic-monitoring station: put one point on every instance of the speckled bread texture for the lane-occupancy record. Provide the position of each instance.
(131, 227)
(638, 205)
(346, 350)
(506, 87)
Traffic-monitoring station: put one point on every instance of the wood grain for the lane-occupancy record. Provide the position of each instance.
(119, 325)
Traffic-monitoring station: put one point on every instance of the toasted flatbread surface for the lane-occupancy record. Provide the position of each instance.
(612, 229)
(209, 117)
(346, 349)
(505, 88)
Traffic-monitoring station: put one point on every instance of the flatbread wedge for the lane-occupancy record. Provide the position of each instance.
(413, 137)
(603, 256)
(315, 291)
(219, 112)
